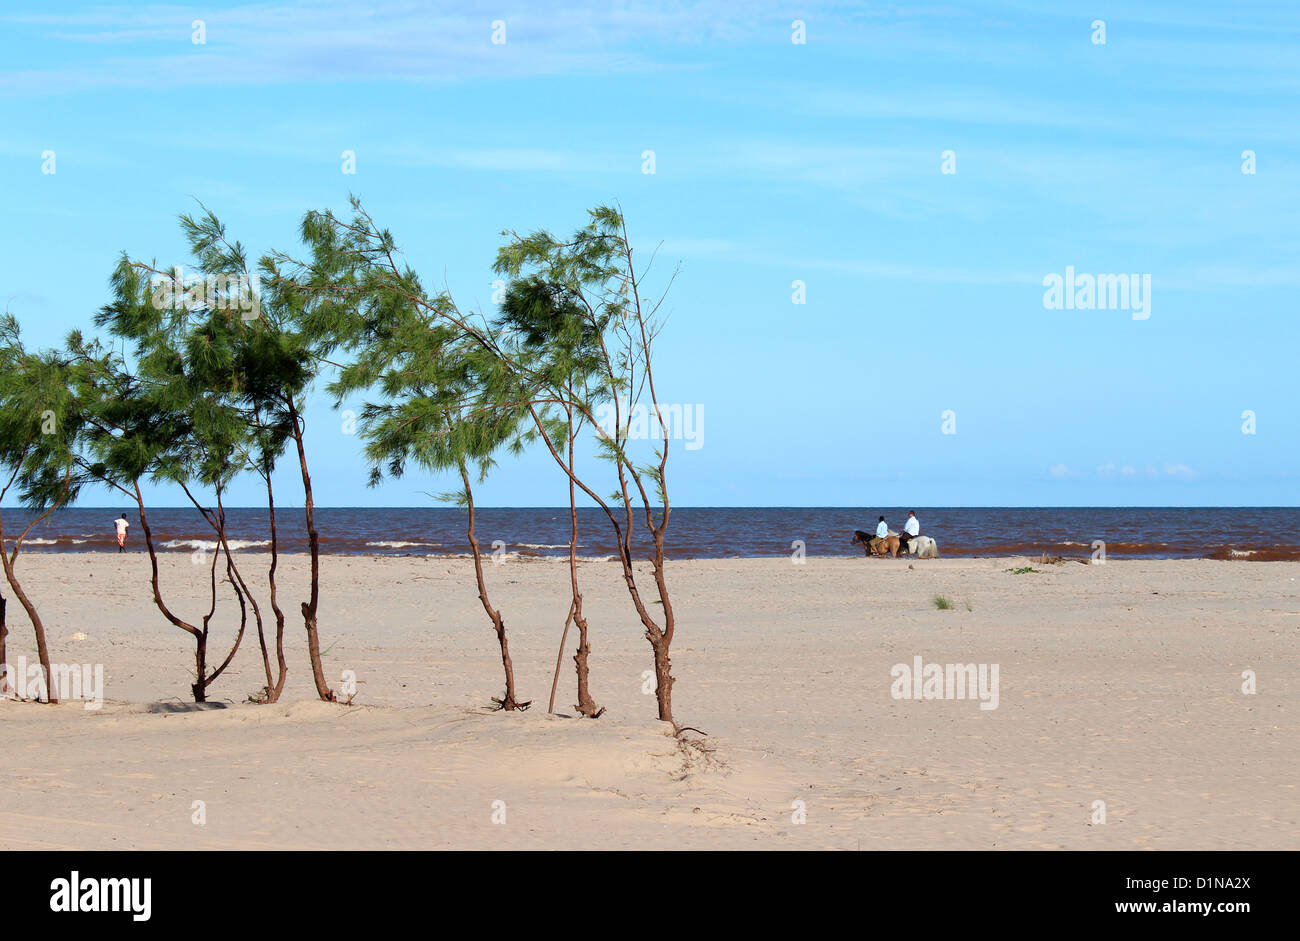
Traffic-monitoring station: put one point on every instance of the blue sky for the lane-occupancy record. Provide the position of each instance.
(775, 162)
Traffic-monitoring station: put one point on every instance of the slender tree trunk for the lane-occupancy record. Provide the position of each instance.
(660, 639)
(200, 653)
(508, 702)
(4, 646)
(266, 658)
(273, 693)
(663, 665)
(663, 678)
(244, 599)
(573, 604)
(559, 660)
(313, 542)
(585, 705)
(198, 687)
(217, 520)
(242, 594)
(38, 626)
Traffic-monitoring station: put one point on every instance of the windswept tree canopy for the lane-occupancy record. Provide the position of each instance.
(42, 422)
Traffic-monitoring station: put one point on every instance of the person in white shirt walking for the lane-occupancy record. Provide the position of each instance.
(121, 525)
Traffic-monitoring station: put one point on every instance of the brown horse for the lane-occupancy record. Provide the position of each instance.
(874, 545)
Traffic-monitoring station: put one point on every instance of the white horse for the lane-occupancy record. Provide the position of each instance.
(923, 547)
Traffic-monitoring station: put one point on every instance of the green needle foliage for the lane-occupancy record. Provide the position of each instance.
(549, 337)
(41, 428)
(214, 369)
(573, 335)
(172, 418)
(220, 369)
(440, 399)
(576, 306)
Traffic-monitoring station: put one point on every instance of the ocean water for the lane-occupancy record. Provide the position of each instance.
(1248, 533)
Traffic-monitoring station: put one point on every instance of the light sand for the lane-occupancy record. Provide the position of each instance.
(1119, 683)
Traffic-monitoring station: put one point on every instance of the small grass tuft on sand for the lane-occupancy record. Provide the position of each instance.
(943, 602)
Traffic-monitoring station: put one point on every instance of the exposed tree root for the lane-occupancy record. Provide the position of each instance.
(697, 754)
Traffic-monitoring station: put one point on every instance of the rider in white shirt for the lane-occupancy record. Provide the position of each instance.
(913, 527)
(882, 530)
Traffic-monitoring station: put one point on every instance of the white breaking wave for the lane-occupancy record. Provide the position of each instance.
(545, 545)
(212, 545)
(398, 544)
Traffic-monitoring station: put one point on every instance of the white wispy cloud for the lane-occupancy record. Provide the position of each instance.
(1110, 471)
(273, 42)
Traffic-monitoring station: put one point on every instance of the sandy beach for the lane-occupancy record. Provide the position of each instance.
(1119, 683)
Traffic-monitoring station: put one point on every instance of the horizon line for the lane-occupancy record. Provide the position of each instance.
(774, 506)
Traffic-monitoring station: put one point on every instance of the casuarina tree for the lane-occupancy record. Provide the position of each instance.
(601, 286)
(236, 329)
(40, 431)
(546, 334)
(439, 401)
(359, 286)
(168, 418)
